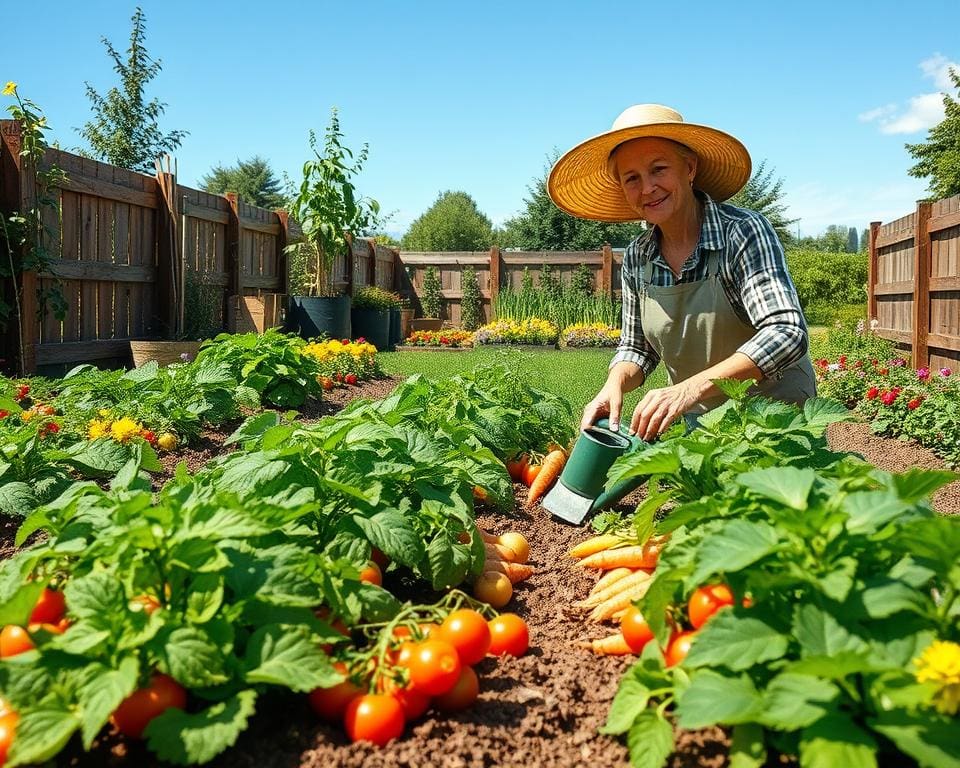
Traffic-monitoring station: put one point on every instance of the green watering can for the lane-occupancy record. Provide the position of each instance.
(579, 491)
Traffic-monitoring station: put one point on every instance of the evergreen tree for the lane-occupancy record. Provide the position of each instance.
(581, 282)
(432, 299)
(541, 226)
(865, 240)
(125, 131)
(252, 180)
(765, 196)
(452, 223)
(471, 302)
(939, 156)
(853, 242)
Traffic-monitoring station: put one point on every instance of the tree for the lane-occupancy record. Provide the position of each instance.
(865, 240)
(452, 223)
(939, 155)
(124, 130)
(765, 196)
(541, 226)
(853, 242)
(252, 180)
(471, 302)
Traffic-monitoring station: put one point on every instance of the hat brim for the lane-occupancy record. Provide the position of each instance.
(581, 185)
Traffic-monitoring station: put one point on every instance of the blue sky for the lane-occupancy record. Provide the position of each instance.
(474, 97)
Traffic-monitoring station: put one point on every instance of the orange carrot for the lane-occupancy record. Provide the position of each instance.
(636, 556)
(513, 571)
(614, 645)
(595, 544)
(488, 538)
(618, 587)
(619, 601)
(550, 470)
(608, 578)
(500, 552)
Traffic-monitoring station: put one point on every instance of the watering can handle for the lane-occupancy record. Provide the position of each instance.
(613, 495)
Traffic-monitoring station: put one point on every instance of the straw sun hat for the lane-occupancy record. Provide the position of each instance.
(581, 184)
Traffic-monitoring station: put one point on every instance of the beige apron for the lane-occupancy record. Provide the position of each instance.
(692, 326)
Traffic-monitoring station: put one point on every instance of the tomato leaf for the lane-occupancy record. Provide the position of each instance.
(747, 747)
(102, 691)
(390, 532)
(448, 561)
(189, 739)
(714, 699)
(253, 427)
(885, 597)
(289, 656)
(928, 738)
(793, 701)
(834, 740)
(193, 659)
(630, 700)
(40, 734)
(820, 634)
(737, 544)
(204, 598)
(650, 740)
(16, 499)
(786, 485)
(736, 642)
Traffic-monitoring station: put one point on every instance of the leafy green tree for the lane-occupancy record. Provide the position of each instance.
(764, 195)
(452, 223)
(125, 131)
(939, 156)
(541, 226)
(382, 238)
(853, 241)
(252, 180)
(865, 240)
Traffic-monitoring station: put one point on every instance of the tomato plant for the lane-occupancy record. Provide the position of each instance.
(376, 717)
(468, 632)
(331, 703)
(706, 601)
(140, 707)
(517, 466)
(463, 693)
(14, 640)
(679, 646)
(635, 629)
(434, 667)
(509, 634)
(530, 473)
(50, 607)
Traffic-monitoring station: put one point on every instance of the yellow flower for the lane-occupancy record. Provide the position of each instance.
(940, 664)
(11, 89)
(124, 429)
(97, 428)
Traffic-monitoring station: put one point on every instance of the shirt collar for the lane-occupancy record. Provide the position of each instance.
(711, 230)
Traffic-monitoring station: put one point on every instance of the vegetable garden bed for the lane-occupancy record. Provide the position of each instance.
(543, 709)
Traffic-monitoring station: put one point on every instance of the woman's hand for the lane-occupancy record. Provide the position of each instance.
(659, 408)
(608, 402)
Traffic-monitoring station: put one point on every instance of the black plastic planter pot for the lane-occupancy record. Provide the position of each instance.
(372, 325)
(313, 316)
(395, 334)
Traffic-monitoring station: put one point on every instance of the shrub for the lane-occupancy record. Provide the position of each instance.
(432, 300)
(533, 330)
(471, 303)
(374, 297)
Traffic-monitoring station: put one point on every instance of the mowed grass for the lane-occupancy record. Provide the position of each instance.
(575, 375)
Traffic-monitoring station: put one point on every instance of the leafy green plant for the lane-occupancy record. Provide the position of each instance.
(432, 299)
(471, 302)
(374, 297)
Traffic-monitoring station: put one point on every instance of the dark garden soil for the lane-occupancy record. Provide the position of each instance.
(543, 709)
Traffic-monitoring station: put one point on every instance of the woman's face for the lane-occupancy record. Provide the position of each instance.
(655, 178)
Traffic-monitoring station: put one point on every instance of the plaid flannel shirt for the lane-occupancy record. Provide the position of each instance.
(754, 276)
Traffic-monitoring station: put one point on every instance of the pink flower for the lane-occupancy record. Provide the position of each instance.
(923, 374)
(945, 372)
(888, 398)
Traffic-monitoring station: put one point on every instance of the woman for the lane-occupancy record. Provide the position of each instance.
(705, 287)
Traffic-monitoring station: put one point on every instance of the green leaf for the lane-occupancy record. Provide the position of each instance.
(785, 485)
(837, 583)
(735, 642)
(650, 740)
(194, 659)
(747, 747)
(205, 597)
(254, 427)
(145, 373)
(735, 389)
(102, 457)
(448, 559)
(821, 412)
(288, 656)
(713, 699)
(871, 510)
(793, 701)
(391, 533)
(836, 740)
(97, 596)
(191, 739)
(917, 484)
(631, 699)
(16, 499)
(41, 734)
(737, 544)
(886, 597)
(820, 634)
(928, 738)
(102, 692)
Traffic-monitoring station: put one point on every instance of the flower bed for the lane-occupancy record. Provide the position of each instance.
(344, 361)
(450, 339)
(582, 335)
(533, 331)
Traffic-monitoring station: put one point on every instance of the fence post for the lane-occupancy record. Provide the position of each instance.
(283, 240)
(234, 277)
(18, 193)
(494, 279)
(170, 283)
(606, 270)
(372, 266)
(872, 272)
(921, 285)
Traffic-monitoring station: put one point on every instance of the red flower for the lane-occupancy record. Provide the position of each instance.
(888, 398)
(52, 426)
(883, 371)
(915, 403)
(344, 341)
(22, 392)
(444, 340)
(872, 393)
(4, 414)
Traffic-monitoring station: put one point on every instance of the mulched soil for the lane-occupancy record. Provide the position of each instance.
(543, 709)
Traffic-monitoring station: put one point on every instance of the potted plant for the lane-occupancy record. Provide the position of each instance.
(327, 208)
(370, 315)
(202, 319)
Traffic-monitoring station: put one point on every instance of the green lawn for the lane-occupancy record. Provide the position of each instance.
(575, 375)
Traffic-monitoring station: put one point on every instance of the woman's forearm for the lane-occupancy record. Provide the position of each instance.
(737, 366)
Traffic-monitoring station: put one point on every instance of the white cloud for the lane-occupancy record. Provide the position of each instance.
(923, 111)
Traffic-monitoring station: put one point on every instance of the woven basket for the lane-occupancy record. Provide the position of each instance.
(164, 352)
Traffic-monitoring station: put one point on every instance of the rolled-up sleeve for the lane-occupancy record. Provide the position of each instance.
(633, 347)
(759, 268)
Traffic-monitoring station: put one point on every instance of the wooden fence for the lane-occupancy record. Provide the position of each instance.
(114, 238)
(914, 282)
(497, 269)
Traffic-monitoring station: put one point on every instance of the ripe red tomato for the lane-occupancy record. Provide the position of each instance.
(350, 378)
(463, 693)
(50, 607)
(8, 727)
(140, 707)
(635, 629)
(679, 646)
(413, 703)
(14, 640)
(508, 634)
(706, 601)
(376, 717)
(371, 574)
(434, 667)
(516, 467)
(530, 473)
(331, 703)
(468, 632)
